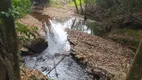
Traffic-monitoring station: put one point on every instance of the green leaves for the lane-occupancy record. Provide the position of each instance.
(25, 33)
(21, 7)
(7, 14)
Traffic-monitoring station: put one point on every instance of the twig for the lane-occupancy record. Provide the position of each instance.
(73, 24)
(56, 64)
(125, 11)
(55, 70)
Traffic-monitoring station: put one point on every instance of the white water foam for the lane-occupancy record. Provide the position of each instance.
(57, 38)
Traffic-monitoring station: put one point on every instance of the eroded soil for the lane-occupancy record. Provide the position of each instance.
(101, 54)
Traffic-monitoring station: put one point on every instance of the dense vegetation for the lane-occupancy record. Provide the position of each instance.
(25, 33)
(21, 7)
(119, 17)
(115, 10)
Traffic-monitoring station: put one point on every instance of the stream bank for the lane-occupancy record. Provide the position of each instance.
(101, 56)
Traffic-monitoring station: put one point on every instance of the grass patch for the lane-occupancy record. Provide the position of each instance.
(70, 3)
(127, 36)
(132, 44)
(55, 3)
(135, 34)
(77, 2)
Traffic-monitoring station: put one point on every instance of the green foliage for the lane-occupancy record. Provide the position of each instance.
(96, 28)
(127, 36)
(55, 3)
(90, 1)
(135, 34)
(77, 2)
(21, 7)
(7, 14)
(117, 7)
(131, 5)
(25, 33)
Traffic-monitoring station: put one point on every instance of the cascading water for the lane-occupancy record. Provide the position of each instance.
(58, 46)
(57, 39)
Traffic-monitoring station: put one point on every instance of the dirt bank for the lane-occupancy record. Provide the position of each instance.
(101, 54)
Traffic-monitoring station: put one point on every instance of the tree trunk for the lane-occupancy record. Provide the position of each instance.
(9, 65)
(85, 12)
(76, 6)
(135, 71)
(81, 7)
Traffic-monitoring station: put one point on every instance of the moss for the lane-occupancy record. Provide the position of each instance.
(135, 70)
(132, 44)
(129, 32)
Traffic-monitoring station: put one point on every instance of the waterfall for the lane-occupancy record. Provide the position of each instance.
(67, 69)
(57, 38)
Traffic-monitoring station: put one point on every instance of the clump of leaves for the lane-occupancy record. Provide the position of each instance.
(25, 33)
(21, 7)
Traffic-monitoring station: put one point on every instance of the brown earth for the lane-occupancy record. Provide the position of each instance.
(101, 54)
(38, 16)
(27, 74)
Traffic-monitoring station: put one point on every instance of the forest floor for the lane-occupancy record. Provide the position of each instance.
(103, 58)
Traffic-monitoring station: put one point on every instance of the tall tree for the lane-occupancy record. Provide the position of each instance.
(76, 6)
(81, 7)
(9, 65)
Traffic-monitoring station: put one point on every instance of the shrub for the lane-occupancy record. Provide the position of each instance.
(25, 33)
(21, 7)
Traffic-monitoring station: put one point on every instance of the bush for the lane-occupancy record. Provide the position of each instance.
(25, 33)
(21, 7)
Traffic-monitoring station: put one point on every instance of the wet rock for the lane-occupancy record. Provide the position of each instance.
(34, 47)
(24, 51)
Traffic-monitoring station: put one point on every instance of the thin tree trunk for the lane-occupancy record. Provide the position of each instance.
(76, 6)
(9, 65)
(135, 71)
(85, 13)
(81, 7)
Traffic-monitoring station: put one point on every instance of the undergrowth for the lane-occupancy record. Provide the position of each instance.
(21, 7)
(25, 33)
(127, 36)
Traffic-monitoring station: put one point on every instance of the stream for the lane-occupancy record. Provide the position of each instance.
(89, 26)
(55, 61)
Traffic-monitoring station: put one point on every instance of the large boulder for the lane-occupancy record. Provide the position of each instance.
(36, 46)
